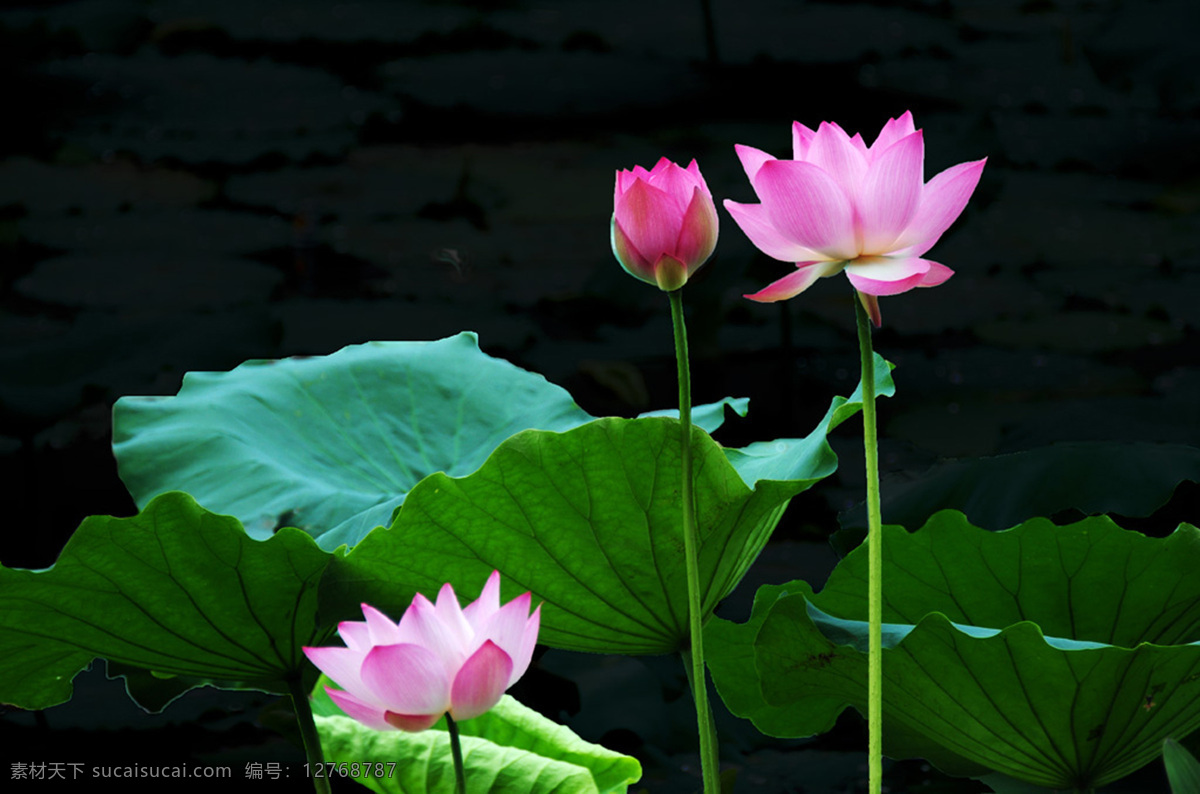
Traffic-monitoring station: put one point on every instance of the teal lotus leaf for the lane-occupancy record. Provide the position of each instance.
(176, 590)
(1057, 656)
(710, 416)
(333, 444)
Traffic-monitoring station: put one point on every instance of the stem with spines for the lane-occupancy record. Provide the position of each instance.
(874, 558)
(691, 550)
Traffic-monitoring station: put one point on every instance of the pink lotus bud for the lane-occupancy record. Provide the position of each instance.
(841, 205)
(438, 659)
(664, 224)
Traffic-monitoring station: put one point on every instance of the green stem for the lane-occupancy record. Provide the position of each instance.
(308, 732)
(874, 557)
(460, 776)
(707, 726)
(691, 550)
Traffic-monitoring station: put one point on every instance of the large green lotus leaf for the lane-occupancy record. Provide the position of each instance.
(1091, 580)
(1075, 656)
(332, 444)
(729, 653)
(510, 748)
(1002, 491)
(589, 521)
(175, 589)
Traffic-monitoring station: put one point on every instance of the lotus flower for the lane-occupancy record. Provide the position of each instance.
(841, 205)
(664, 224)
(439, 659)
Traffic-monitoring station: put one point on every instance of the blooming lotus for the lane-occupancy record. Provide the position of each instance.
(841, 205)
(438, 659)
(664, 224)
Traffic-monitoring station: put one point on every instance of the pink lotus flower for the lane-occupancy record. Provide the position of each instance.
(664, 224)
(439, 659)
(841, 205)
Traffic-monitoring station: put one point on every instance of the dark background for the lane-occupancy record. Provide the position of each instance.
(186, 184)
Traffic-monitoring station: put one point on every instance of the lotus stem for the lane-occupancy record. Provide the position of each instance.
(460, 776)
(874, 557)
(309, 735)
(691, 548)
